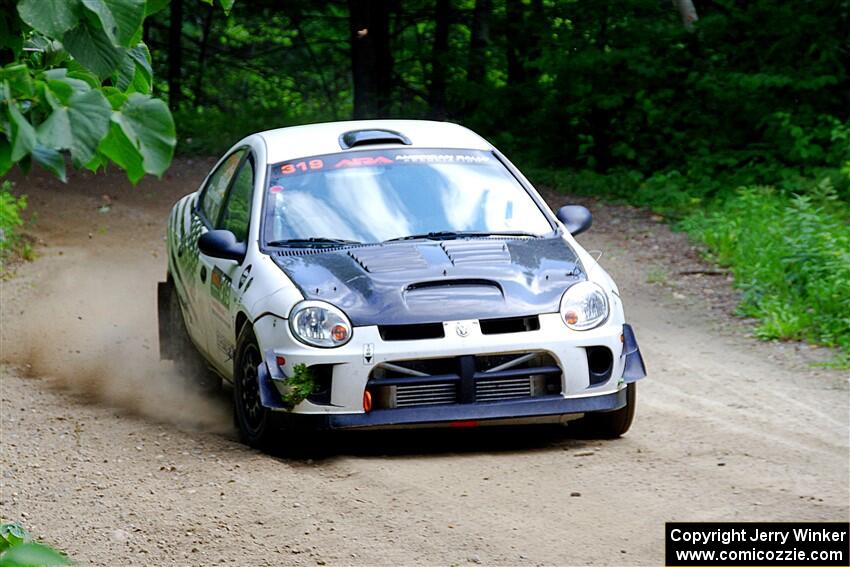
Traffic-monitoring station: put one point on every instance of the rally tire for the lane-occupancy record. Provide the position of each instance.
(190, 364)
(258, 426)
(608, 424)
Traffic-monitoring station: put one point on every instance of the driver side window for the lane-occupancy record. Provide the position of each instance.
(214, 192)
(237, 211)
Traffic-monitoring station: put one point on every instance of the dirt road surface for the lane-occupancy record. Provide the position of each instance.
(104, 457)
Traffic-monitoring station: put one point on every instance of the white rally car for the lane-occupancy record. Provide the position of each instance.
(391, 273)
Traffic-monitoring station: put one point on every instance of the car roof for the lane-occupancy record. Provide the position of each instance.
(285, 144)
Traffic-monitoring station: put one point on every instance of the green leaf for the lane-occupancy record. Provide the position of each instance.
(123, 77)
(12, 534)
(97, 162)
(55, 131)
(117, 147)
(226, 5)
(29, 554)
(154, 6)
(115, 97)
(58, 91)
(142, 56)
(90, 45)
(75, 85)
(121, 19)
(51, 160)
(50, 17)
(80, 73)
(23, 134)
(148, 125)
(89, 116)
(19, 79)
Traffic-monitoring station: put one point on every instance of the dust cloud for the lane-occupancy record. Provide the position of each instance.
(90, 328)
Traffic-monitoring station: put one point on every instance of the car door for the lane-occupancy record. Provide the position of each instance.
(225, 274)
(204, 218)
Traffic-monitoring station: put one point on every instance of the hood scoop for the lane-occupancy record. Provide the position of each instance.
(453, 293)
(476, 252)
(388, 259)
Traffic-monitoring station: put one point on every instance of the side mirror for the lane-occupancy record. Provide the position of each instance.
(576, 218)
(222, 244)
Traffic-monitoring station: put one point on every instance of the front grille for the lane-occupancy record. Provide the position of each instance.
(509, 389)
(425, 395)
(464, 380)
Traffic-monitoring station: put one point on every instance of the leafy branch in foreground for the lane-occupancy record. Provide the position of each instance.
(76, 77)
(16, 549)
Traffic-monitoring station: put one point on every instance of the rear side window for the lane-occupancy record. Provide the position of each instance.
(237, 212)
(213, 196)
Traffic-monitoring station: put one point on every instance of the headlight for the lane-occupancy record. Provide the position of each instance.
(319, 324)
(584, 306)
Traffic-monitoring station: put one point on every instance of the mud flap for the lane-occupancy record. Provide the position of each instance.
(166, 333)
(269, 396)
(634, 368)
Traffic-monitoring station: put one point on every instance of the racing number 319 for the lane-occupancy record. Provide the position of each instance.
(290, 168)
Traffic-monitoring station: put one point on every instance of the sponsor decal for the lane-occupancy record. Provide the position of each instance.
(224, 345)
(364, 160)
(441, 158)
(245, 273)
(220, 287)
(302, 166)
(462, 330)
(368, 353)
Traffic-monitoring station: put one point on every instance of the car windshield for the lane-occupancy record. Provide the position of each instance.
(379, 195)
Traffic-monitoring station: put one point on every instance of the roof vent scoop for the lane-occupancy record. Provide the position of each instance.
(370, 137)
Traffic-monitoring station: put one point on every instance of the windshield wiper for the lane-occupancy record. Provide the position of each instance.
(450, 234)
(312, 241)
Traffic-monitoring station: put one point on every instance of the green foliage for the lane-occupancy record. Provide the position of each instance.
(788, 245)
(16, 550)
(11, 222)
(300, 385)
(790, 256)
(80, 82)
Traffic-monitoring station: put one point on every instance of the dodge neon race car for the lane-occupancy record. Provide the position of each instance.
(404, 273)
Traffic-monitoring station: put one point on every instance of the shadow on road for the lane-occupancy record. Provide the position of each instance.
(324, 446)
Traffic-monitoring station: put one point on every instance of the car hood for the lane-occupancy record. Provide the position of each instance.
(428, 282)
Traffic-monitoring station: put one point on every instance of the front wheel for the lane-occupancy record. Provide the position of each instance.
(609, 424)
(258, 426)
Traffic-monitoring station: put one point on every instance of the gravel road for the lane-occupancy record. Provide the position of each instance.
(104, 457)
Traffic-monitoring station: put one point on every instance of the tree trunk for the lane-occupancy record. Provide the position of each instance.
(175, 53)
(514, 41)
(688, 12)
(371, 60)
(478, 41)
(439, 53)
(202, 55)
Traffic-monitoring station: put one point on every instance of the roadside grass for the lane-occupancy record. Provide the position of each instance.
(787, 245)
(13, 244)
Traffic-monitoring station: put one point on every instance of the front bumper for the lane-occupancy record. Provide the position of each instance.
(461, 414)
(352, 370)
